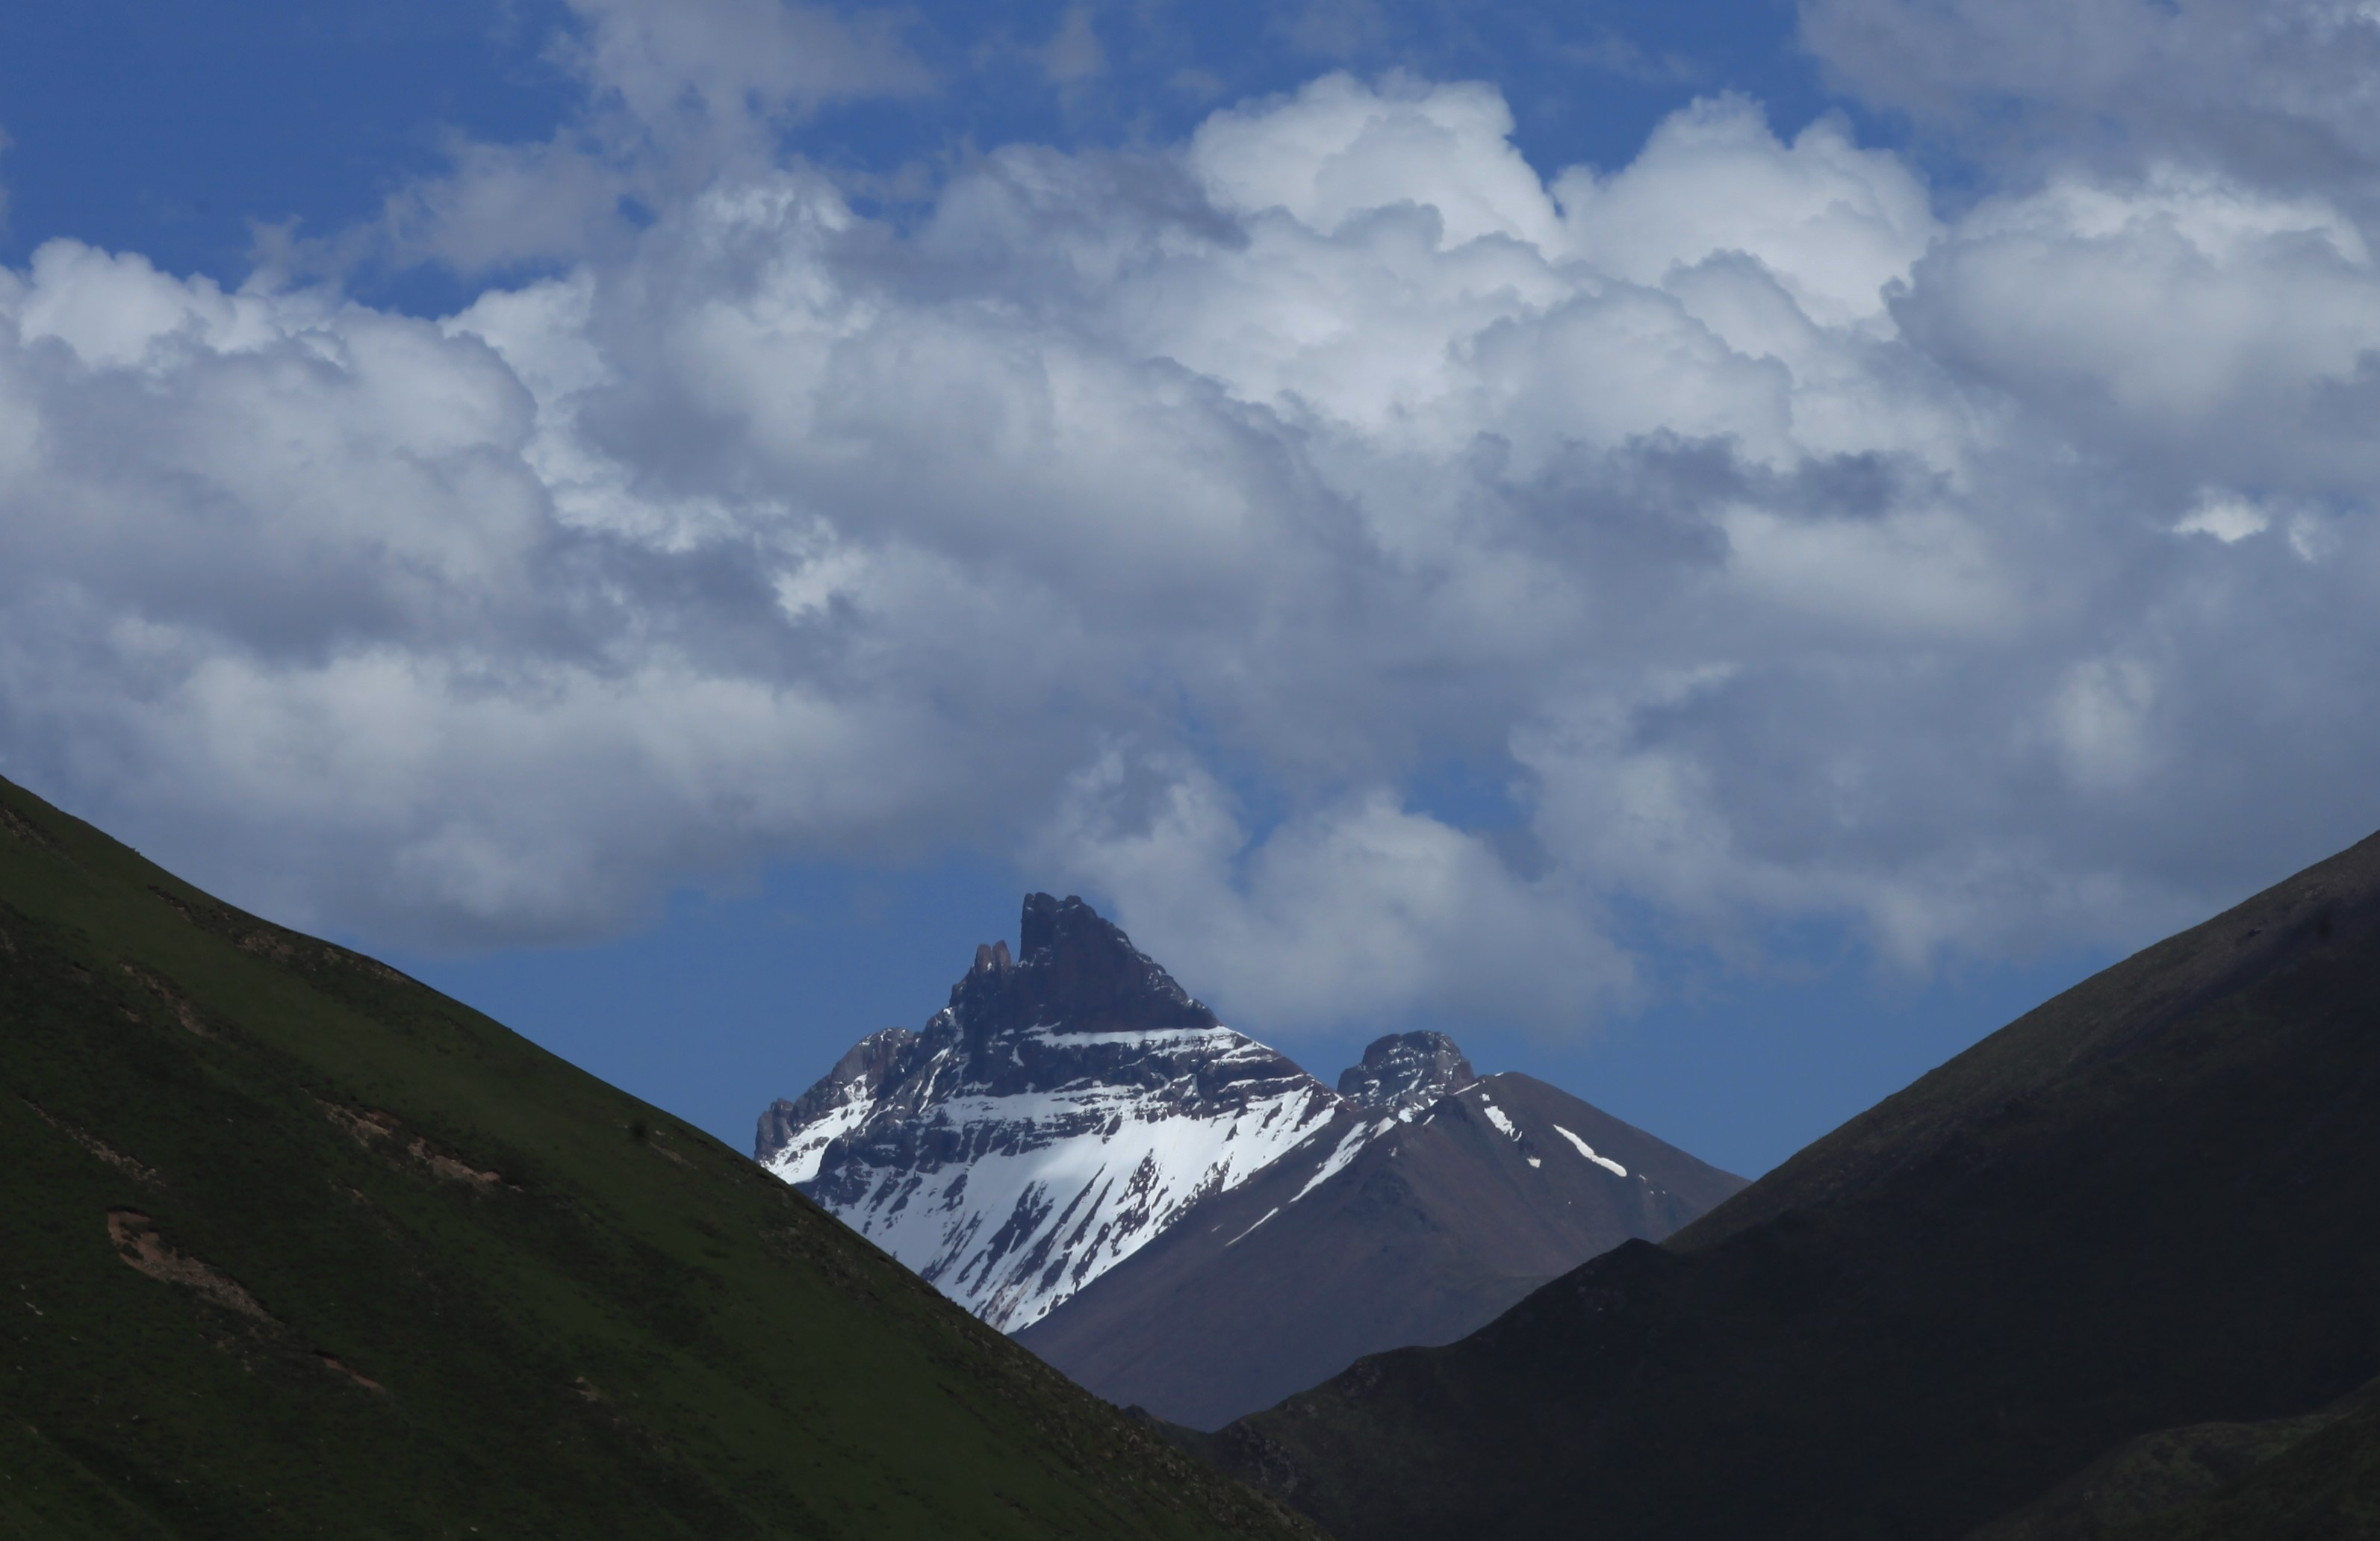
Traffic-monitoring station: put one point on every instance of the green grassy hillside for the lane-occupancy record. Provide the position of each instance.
(2321, 1486)
(2220, 1482)
(291, 1245)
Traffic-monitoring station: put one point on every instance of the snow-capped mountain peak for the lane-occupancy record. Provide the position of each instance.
(1067, 1106)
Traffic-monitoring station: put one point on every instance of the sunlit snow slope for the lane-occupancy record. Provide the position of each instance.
(1067, 1106)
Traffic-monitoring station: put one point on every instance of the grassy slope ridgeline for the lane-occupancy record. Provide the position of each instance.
(293, 1245)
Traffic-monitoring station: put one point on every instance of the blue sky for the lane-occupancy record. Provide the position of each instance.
(145, 127)
(1716, 552)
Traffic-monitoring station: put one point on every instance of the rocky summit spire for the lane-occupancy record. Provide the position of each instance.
(1405, 1070)
(1074, 972)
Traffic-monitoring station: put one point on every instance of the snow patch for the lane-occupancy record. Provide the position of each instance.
(1251, 1230)
(799, 1162)
(1177, 1038)
(1589, 1151)
(1350, 1146)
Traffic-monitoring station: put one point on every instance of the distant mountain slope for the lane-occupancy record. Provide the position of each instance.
(1375, 1233)
(1067, 1106)
(295, 1246)
(2146, 1206)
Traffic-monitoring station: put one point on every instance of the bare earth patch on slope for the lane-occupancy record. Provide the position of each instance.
(97, 1147)
(24, 828)
(385, 1134)
(330, 1362)
(167, 997)
(138, 1243)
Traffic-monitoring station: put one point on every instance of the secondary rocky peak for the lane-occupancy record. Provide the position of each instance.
(795, 1134)
(1405, 1070)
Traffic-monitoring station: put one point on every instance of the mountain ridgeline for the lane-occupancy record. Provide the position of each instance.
(2112, 1273)
(1181, 1217)
(296, 1247)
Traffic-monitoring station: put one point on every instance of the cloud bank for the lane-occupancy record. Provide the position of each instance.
(1775, 548)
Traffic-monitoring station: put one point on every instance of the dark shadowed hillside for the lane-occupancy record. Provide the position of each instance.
(295, 1246)
(2147, 1206)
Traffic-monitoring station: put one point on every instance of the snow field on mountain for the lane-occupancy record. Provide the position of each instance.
(1067, 1184)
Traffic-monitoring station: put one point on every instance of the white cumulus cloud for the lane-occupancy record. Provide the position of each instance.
(1772, 545)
